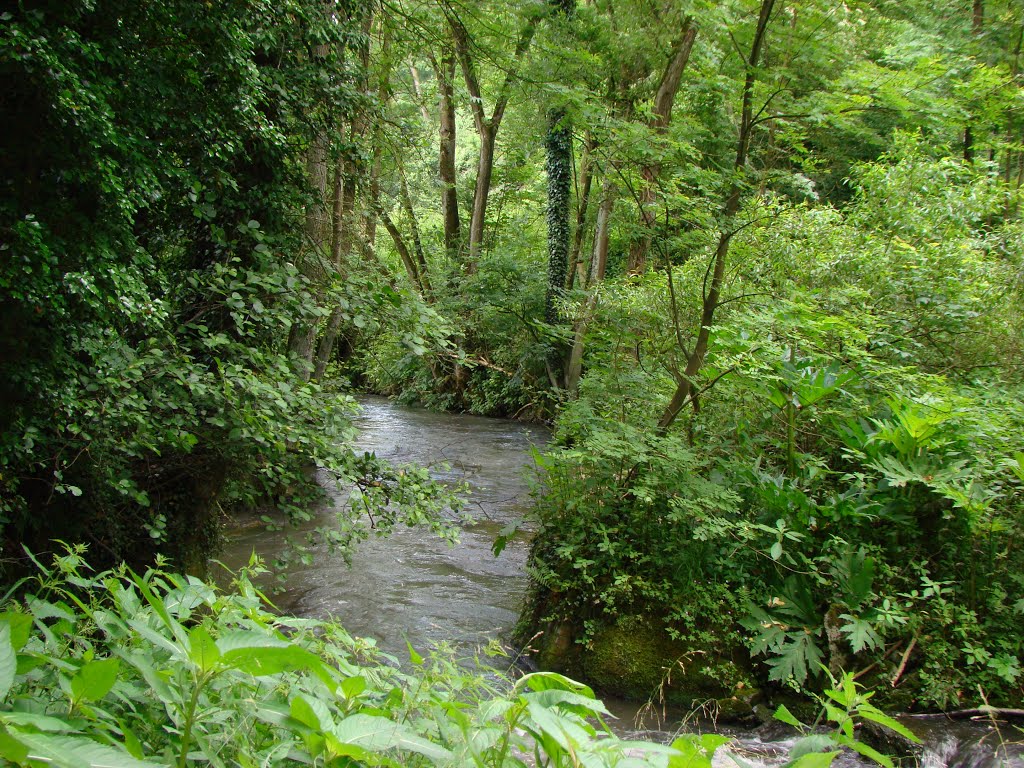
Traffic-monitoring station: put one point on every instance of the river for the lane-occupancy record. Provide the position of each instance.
(413, 587)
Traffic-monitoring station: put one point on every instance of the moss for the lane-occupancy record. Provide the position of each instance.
(635, 658)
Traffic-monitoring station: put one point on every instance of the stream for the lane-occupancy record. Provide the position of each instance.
(413, 587)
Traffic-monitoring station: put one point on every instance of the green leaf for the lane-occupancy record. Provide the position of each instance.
(36, 721)
(795, 658)
(78, 752)
(710, 742)
(158, 606)
(202, 649)
(875, 716)
(94, 679)
(693, 752)
(353, 686)
(414, 657)
(303, 711)
(571, 701)
(862, 575)
(230, 641)
(43, 609)
(860, 633)
(131, 741)
(12, 750)
(380, 734)
(148, 633)
(543, 681)
(816, 743)
(814, 760)
(869, 752)
(21, 627)
(263, 660)
(785, 716)
(153, 678)
(8, 661)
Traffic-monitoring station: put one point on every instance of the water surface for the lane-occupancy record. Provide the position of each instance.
(411, 585)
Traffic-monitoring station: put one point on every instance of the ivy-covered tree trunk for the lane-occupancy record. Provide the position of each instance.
(558, 163)
(559, 170)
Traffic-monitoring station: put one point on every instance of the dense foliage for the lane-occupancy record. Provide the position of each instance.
(158, 669)
(849, 492)
(153, 175)
(785, 367)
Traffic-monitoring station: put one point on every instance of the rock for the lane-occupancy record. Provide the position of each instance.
(636, 659)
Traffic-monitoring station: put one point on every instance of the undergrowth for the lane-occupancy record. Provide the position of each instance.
(138, 671)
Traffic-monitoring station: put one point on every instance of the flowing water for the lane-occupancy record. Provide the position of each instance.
(413, 587)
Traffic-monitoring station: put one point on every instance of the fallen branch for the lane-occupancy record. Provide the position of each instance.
(903, 661)
(999, 713)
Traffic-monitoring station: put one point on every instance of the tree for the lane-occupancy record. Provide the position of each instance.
(685, 391)
(558, 147)
(660, 118)
(486, 125)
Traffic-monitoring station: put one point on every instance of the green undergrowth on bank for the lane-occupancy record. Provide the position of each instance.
(844, 486)
(129, 670)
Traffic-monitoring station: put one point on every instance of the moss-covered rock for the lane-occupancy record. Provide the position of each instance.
(636, 658)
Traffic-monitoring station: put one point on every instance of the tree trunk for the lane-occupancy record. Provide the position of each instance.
(341, 246)
(977, 27)
(487, 127)
(317, 227)
(343, 211)
(446, 160)
(558, 164)
(599, 260)
(411, 269)
(559, 170)
(418, 91)
(595, 274)
(414, 230)
(484, 171)
(662, 116)
(577, 271)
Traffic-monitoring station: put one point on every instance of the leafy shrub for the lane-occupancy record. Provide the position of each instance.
(845, 486)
